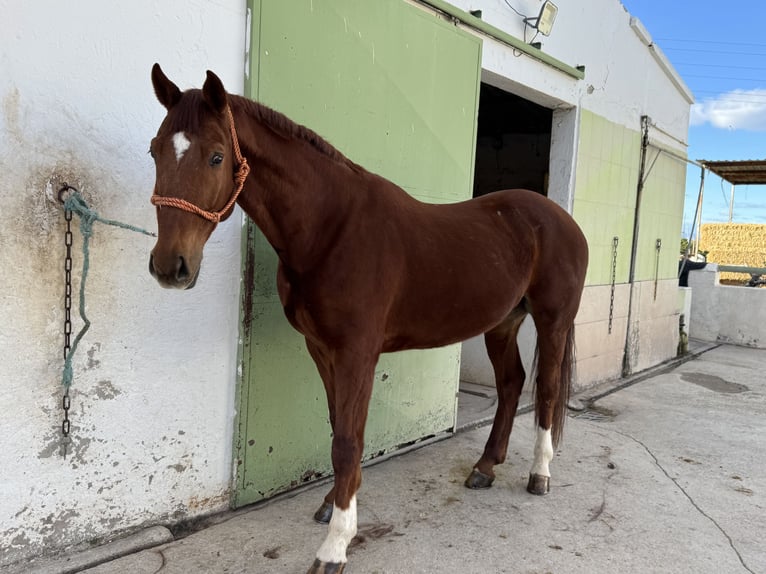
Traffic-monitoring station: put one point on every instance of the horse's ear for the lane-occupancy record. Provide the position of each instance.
(166, 91)
(214, 92)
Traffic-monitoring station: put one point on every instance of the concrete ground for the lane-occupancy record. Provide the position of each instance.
(666, 475)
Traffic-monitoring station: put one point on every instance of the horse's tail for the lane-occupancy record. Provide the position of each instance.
(565, 386)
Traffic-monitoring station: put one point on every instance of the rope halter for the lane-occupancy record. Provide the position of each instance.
(243, 169)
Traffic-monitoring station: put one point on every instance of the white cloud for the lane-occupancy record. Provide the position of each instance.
(735, 110)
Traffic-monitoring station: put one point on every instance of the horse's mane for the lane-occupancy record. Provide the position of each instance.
(188, 113)
(286, 127)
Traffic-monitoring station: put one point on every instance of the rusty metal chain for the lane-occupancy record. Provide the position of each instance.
(615, 242)
(66, 401)
(73, 204)
(658, 248)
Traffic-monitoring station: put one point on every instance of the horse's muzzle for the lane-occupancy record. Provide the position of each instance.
(178, 277)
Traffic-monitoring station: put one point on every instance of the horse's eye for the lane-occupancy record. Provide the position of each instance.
(216, 159)
(151, 151)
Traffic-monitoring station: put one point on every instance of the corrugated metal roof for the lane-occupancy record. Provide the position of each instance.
(751, 171)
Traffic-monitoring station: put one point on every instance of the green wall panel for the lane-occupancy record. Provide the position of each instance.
(395, 89)
(607, 175)
(662, 207)
(382, 79)
(607, 179)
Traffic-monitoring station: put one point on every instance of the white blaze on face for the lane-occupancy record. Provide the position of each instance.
(342, 529)
(180, 143)
(543, 453)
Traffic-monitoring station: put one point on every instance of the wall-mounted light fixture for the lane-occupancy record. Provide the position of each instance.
(543, 23)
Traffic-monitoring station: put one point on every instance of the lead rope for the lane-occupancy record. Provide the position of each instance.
(74, 203)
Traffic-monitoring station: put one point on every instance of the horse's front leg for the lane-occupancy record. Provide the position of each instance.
(323, 360)
(352, 376)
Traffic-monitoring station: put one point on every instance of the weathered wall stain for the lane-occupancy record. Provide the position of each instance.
(93, 362)
(11, 110)
(78, 447)
(20, 539)
(207, 502)
(105, 390)
(55, 524)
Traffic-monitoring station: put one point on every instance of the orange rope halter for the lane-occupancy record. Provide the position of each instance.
(243, 169)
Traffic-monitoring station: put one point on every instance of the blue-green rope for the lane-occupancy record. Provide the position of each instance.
(76, 204)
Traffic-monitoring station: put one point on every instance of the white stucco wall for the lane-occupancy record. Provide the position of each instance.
(622, 78)
(726, 313)
(152, 400)
(153, 396)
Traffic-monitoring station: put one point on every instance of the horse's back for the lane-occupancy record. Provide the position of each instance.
(522, 226)
(467, 265)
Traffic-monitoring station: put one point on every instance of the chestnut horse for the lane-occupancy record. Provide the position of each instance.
(451, 271)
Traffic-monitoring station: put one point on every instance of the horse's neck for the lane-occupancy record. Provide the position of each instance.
(292, 193)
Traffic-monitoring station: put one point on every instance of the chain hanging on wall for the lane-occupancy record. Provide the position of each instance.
(615, 242)
(657, 249)
(74, 203)
(66, 402)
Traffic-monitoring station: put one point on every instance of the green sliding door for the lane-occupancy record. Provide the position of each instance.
(394, 88)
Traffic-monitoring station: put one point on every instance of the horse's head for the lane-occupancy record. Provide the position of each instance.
(195, 152)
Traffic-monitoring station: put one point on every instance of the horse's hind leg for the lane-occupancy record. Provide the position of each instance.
(555, 360)
(503, 352)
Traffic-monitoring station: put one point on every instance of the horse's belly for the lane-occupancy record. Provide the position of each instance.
(450, 316)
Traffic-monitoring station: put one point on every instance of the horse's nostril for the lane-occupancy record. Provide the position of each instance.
(169, 275)
(183, 271)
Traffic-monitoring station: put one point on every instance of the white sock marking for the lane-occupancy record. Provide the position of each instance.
(543, 453)
(180, 143)
(342, 529)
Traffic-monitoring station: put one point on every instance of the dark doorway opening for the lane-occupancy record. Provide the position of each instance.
(513, 148)
(513, 143)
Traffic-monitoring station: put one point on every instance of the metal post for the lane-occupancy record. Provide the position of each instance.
(731, 203)
(639, 195)
(698, 222)
(627, 354)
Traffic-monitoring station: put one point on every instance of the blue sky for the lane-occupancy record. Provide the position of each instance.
(719, 50)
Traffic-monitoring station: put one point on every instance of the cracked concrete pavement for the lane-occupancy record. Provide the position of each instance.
(666, 475)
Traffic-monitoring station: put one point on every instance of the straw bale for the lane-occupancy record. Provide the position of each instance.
(734, 244)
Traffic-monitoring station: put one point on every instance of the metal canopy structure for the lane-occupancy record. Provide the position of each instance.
(742, 172)
(749, 171)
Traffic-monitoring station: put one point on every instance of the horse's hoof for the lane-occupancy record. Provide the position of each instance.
(539, 484)
(323, 515)
(319, 567)
(478, 479)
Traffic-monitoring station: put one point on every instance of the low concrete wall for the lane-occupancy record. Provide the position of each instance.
(726, 314)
